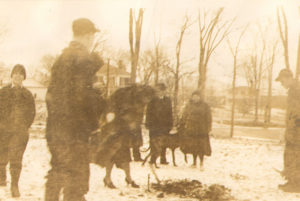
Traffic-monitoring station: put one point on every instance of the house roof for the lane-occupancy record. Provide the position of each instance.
(113, 71)
(28, 83)
(31, 83)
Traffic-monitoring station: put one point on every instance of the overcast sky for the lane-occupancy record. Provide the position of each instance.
(36, 28)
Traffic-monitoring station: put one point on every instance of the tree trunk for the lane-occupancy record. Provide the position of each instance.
(202, 74)
(176, 87)
(107, 78)
(233, 97)
(135, 51)
(156, 66)
(269, 100)
(298, 60)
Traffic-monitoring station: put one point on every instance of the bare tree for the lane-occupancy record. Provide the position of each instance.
(42, 74)
(270, 65)
(212, 32)
(283, 32)
(234, 51)
(134, 51)
(156, 63)
(152, 61)
(177, 71)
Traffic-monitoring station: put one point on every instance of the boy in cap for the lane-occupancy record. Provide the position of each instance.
(73, 110)
(291, 156)
(17, 111)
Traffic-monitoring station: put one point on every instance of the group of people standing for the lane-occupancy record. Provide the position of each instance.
(74, 108)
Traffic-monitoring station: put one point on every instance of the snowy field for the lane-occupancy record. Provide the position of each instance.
(244, 166)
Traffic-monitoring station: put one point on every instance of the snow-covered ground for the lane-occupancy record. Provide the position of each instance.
(245, 166)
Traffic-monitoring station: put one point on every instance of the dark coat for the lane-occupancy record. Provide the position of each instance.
(111, 144)
(114, 140)
(132, 99)
(159, 119)
(292, 135)
(74, 106)
(17, 109)
(195, 125)
(196, 118)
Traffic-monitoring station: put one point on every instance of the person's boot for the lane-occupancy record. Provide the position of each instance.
(14, 189)
(290, 187)
(15, 175)
(2, 176)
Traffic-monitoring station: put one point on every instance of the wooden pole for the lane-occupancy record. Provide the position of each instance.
(107, 78)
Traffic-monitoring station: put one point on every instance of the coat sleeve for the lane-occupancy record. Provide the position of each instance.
(170, 114)
(30, 109)
(2, 106)
(208, 118)
(184, 117)
(149, 114)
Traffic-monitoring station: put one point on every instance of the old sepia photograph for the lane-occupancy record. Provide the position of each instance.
(150, 100)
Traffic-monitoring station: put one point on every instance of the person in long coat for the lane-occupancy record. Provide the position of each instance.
(159, 118)
(291, 156)
(17, 111)
(74, 107)
(111, 145)
(195, 125)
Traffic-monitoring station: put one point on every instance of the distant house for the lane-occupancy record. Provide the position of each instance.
(243, 93)
(4, 75)
(118, 77)
(37, 89)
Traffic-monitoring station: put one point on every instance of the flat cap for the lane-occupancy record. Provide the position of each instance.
(83, 26)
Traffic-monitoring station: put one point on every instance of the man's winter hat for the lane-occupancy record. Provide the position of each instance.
(284, 73)
(83, 26)
(18, 68)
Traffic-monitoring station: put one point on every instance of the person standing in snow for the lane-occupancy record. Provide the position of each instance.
(291, 155)
(74, 107)
(17, 111)
(159, 118)
(194, 128)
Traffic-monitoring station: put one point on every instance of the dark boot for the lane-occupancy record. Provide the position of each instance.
(2, 176)
(15, 175)
(14, 189)
(290, 187)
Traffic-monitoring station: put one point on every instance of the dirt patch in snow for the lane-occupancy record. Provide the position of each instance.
(194, 189)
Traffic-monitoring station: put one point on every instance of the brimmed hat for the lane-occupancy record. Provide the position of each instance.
(83, 26)
(284, 73)
(18, 68)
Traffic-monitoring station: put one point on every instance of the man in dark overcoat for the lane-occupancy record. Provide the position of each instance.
(73, 109)
(17, 111)
(291, 155)
(159, 118)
